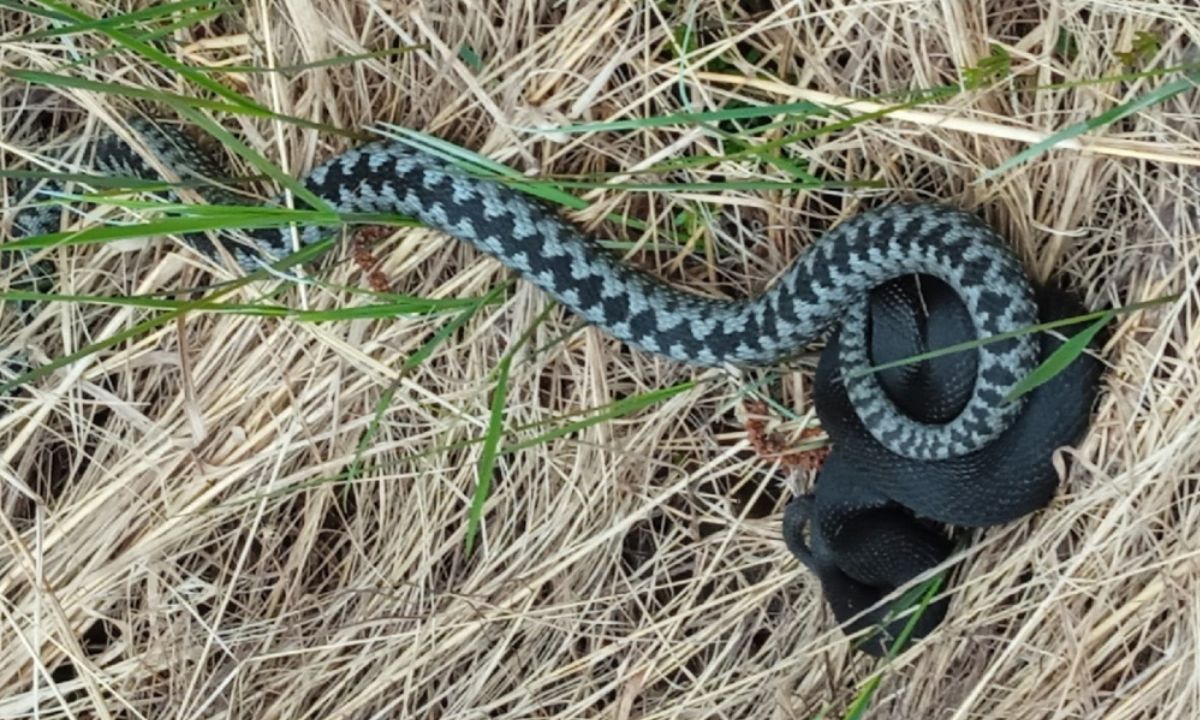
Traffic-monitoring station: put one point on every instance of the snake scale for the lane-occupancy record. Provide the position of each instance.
(827, 286)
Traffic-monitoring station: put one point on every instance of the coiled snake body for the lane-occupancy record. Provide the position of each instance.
(827, 285)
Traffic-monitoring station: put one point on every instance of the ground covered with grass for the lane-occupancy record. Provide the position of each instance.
(400, 483)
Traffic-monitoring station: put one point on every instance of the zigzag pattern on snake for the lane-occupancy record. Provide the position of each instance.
(828, 284)
(894, 468)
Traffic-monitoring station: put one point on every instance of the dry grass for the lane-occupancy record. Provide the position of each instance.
(178, 538)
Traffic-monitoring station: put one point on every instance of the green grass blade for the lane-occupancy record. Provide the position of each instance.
(713, 187)
(150, 303)
(926, 593)
(1058, 360)
(53, 80)
(765, 148)
(616, 409)
(186, 106)
(409, 364)
(481, 165)
(1126, 77)
(305, 255)
(153, 12)
(1123, 110)
(486, 467)
(100, 181)
(153, 54)
(973, 344)
(117, 338)
(28, 9)
(921, 596)
(411, 306)
(168, 226)
(423, 353)
(181, 102)
(797, 171)
(487, 168)
(264, 166)
(233, 213)
(487, 458)
(186, 219)
(398, 307)
(316, 64)
(802, 109)
(166, 30)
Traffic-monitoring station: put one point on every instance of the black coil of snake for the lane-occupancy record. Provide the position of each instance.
(940, 466)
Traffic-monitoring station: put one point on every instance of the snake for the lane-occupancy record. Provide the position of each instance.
(827, 288)
(875, 520)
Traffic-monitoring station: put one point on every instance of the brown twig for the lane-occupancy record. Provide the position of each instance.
(774, 446)
(367, 261)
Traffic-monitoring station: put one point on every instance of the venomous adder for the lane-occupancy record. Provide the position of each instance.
(827, 285)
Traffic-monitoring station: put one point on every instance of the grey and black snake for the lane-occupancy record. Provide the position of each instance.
(826, 287)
